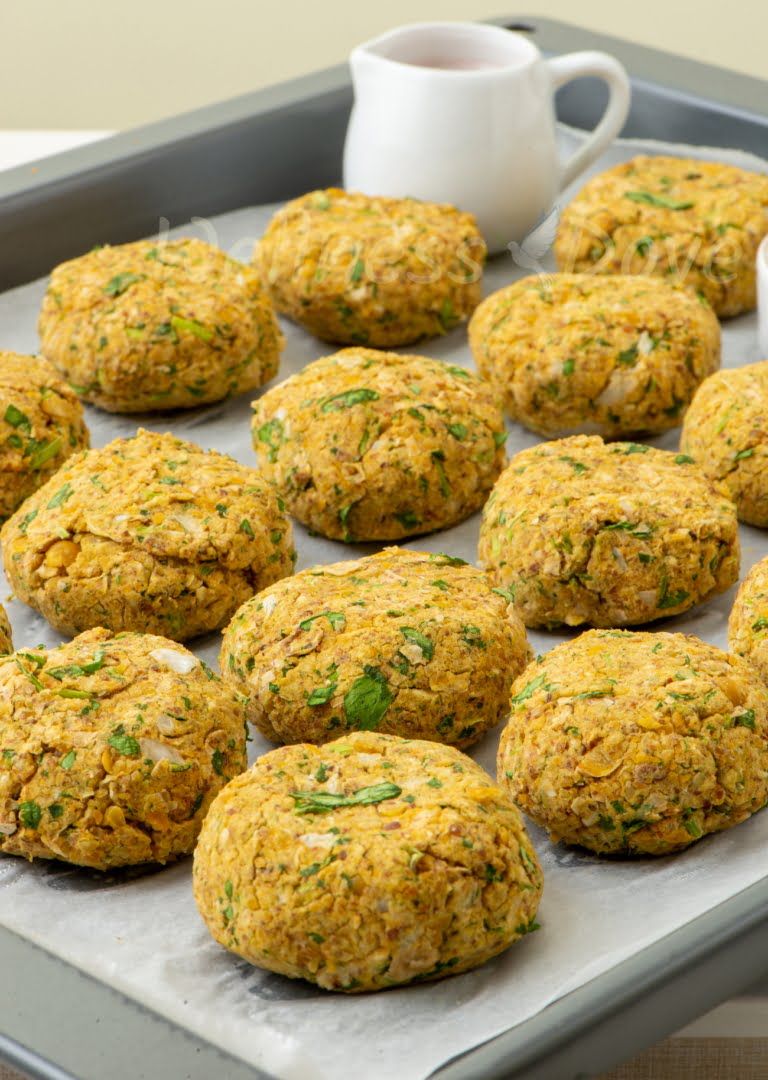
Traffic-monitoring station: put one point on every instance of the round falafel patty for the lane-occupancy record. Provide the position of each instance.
(367, 863)
(359, 270)
(367, 445)
(6, 639)
(748, 621)
(580, 531)
(150, 325)
(402, 642)
(149, 533)
(636, 743)
(113, 747)
(610, 356)
(726, 431)
(698, 223)
(41, 424)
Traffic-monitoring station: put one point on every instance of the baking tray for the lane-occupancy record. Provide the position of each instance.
(269, 146)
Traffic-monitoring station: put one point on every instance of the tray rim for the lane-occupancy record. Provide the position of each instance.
(728, 90)
(546, 1040)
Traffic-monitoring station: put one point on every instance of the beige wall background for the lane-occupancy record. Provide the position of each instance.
(113, 64)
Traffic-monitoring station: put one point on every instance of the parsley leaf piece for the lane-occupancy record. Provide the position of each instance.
(427, 647)
(321, 802)
(349, 398)
(122, 742)
(367, 700)
(30, 814)
(16, 418)
(117, 285)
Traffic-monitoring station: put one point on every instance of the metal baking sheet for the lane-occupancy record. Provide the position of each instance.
(527, 1044)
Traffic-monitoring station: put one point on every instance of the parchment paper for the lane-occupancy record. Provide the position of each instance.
(141, 932)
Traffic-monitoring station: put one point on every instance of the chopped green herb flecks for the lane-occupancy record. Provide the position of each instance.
(447, 560)
(45, 452)
(447, 316)
(271, 434)
(337, 619)
(628, 357)
(191, 326)
(643, 245)
(321, 802)
(321, 695)
(529, 689)
(427, 647)
(117, 285)
(669, 599)
(123, 743)
(348, 399)
(60, 497)
(660, 201)
(75, 670)
(367, 700)
(578, 466)
(472, 636)
(26, 521)
(16, 418)
(30, 814)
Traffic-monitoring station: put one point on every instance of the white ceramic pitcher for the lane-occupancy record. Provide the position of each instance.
(463, 113)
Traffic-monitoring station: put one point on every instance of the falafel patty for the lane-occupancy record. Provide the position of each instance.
(41, 425)
(367, 445)
(748, 621)
(401, 642)
(149, 533)
(113, 747)
(698, 223)
(359, 270)
(636, 743)
(6, 638)
(610, 356)
(159, 325)
(580, 531)
(367, 863)
(726, 431)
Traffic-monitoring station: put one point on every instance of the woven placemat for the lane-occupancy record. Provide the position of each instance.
(673, 1059)
(697, 1059)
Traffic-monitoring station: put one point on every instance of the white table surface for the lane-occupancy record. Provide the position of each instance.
(742, 1017)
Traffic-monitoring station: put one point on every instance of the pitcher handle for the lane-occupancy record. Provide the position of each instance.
(574, 66)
